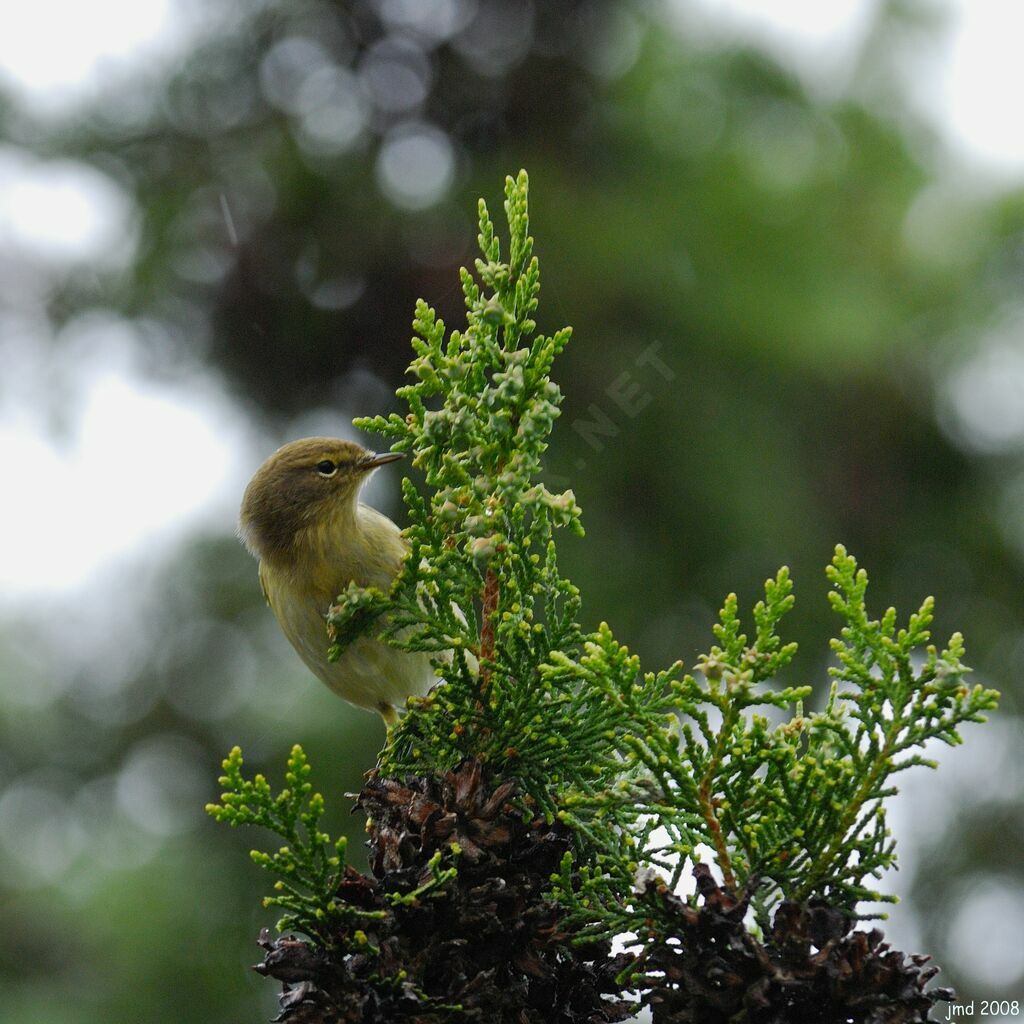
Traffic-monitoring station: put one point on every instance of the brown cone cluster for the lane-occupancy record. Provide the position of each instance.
(485, 946)
(813, 969)
(485, 941)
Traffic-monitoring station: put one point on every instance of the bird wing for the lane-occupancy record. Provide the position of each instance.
(382, 560)
(263, 584)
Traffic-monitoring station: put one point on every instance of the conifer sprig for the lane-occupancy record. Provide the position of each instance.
(902, 692)
(652, 772)
(482, 580)
(310, 865)
(790, 811)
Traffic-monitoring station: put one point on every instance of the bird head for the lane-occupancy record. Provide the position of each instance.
(304, 484)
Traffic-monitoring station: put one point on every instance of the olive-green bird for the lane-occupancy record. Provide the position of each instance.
(302, 518)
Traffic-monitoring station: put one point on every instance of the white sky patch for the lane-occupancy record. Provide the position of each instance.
(968, 81)
(134, 463)
(63, 211)
(795, 22)
(984, 935)
(818, 39)
(927, 799)
(51, 51)
(981, 80)
(685, 887)
(141, 461)
(981, 402)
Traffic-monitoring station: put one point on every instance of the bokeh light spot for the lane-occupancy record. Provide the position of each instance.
(161, 784)
(396, 74)
(51, 46)
(138, 459)
(984, 932)
(416, 166)
(433, 19)
(36, 831)
(286, 68)
(332, 109)
(986, 395)
(63, 210)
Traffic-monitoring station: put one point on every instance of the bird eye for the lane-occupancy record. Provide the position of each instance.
(326, 468)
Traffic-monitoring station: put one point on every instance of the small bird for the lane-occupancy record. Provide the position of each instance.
(302, 518)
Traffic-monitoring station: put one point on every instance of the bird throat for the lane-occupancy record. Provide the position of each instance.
(308, 542)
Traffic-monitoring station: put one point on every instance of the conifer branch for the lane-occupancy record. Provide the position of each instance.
(542, 735)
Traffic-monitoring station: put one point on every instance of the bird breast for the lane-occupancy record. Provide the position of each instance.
(368, 551)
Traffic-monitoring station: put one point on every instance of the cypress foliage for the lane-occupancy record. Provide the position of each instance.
(548, 794)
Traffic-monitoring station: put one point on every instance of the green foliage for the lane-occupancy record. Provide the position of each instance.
(647, 767)
(358, 610)
(310, 865)
(654, 771)
(481, 586)
(792, 810)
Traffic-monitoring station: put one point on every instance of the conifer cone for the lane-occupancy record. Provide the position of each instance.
(485, 941)
(812, 970)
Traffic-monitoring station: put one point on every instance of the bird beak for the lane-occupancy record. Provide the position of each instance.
(379, 459)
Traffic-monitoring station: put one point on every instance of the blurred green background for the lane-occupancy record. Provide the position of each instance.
(798, 321)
